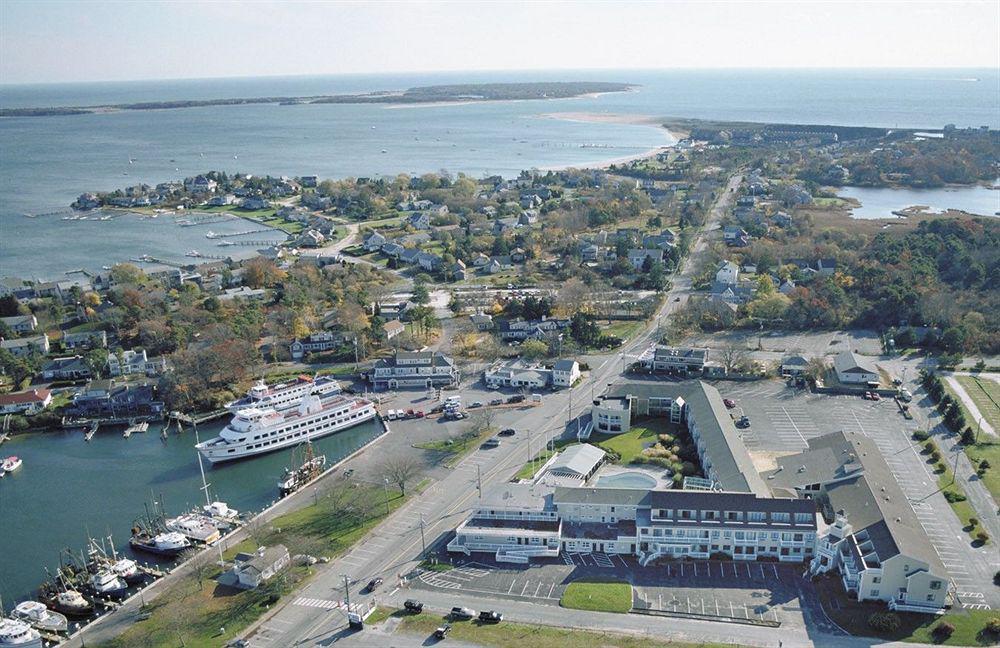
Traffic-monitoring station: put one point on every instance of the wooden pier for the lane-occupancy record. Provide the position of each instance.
(198, 420)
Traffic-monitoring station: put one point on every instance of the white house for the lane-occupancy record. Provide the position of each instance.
(851, 368)
(251, 570)
(637, 257)
(135, 361)
(22, 347)
(393, 328)
(20, 323)
(32, 400)
(728, 273)
(565, 373)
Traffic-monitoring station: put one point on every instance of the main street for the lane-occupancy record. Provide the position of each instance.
(313, 614)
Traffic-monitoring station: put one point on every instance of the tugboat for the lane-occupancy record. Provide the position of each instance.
(19, 634)
(311, 468)
(39, 617)
(70, 603)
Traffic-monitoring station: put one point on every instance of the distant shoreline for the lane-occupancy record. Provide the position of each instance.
(615, 118)
(427, 95)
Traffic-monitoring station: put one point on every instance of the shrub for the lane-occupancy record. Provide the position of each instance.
(935, 455)
(939, 468)
(984, 465)
(993, 626)
(996, 578)
(973, 522)
(665, 439)
(982, 536)
(954, 496)
(883, 622)
(943, 630)
(968, 437)
(921, 435)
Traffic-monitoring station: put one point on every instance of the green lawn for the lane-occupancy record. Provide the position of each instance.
(991, 453)
(629, 445)
(624, 329)
(598, 595)
(985, 394)
(457, 447)
(520, 635)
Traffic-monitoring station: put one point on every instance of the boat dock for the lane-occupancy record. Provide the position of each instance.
(216, 235)
(91, 432)
(135, 426)
(198, 420)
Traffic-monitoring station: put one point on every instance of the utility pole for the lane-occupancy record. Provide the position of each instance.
(954, 472)
(479, 483)
(423, 544)
(347, 591)
(385, 489)
(979, 425)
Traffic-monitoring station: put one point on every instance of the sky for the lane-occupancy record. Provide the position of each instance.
(44, 41)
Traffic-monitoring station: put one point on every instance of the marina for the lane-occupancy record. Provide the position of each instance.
(148, 466)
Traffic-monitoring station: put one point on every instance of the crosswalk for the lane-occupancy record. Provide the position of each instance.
(318, 603)
(454, 578)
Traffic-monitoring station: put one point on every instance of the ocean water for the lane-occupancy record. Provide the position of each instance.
(46, 162)
(880, 202)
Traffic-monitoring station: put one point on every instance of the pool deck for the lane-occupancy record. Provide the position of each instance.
(659, 477)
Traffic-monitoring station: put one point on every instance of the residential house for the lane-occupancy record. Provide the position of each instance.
(457, 271)
(374, 242)
(410, 255)
(480, 261)
(853, 369)
(255, 202)
(737, 293)
(135, 361)
(662, 241)
(781, 219)
(310, 238)
(527, 218)
(589, 252)
(85, 340)
(243, 292)
(200, 184)
(252, 570)
(735, 236)
(518, 255)
(25, 402)
(565, 373)
(874, 539)
(105, 398)
(220, 200)
(787, 287)
(308, 181)
(20, 323)
(637, 257)
(393, 328)
(826, 267)
(429, 262)
(728, 273)
(316, 202)
(23, 347)
(481, 321)
(419, 220)
(519, 330)
(424, 369)
(504, 225)
(316, 343)
(67, 368)
(392, 250)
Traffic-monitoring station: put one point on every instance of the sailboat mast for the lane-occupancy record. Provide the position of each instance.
(201, 467)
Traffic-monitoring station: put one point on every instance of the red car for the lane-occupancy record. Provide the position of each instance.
(728, 402)
(875, 396)
(409, 413)
(419, 413)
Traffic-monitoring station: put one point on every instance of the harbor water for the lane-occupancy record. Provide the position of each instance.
(68, 489)
(881, 202)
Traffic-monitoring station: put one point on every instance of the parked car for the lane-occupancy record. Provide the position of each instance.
(348, 472)
(410, 413)
(868, 396)
(490, 617)
(677, 299)
(462, 613)
(373, 583)
(728, 402)
(519, 398)
(496, 401)
(419, 413)
(744, 422)
(897, 381)
(476, 404)
(492, 442)
(508, 432)
(876, 397)
(413, 606)
(442, 631)
(905, 395)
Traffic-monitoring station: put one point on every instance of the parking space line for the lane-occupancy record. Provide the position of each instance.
(746, 611)
(774, 567)
(524, 589)
(748, 571)
(511, 588)
(551, 587)
(538, 588)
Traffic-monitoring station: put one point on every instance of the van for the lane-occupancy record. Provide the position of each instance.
(390, 415)
(536, 398)
(453, 399)
(905, 395)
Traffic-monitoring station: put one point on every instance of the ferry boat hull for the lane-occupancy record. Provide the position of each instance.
(236, 444)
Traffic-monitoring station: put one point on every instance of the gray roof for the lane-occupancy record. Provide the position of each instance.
(263, 559)
(680, 352)
(580, 459)
(564, 365)
(616, 496)
(728, 501)
(848, 360)
(794, 361)
(535, 497)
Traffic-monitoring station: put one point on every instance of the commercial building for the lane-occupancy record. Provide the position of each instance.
(517, 374)
(565, 373)
(875, 540)
(679, 359)
(252, 570)
(414, 369)
(852, 368)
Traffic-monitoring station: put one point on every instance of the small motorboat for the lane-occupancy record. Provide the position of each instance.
(223, 516)
(10, 464)
(194, 526)
(40, 617)
(19, 634)
(106, 583)
(128, 570)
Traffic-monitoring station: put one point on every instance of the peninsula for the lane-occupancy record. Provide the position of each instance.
(466, 92)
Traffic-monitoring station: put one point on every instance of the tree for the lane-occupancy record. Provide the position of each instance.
(400, 471)
(200, 563)
(734, 357)
(420, 294)
(534, 349)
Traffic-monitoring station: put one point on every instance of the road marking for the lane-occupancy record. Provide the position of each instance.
(525, 587)
(511, 588)
(551, 587)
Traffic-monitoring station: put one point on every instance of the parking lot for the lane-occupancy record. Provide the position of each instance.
(730, 590)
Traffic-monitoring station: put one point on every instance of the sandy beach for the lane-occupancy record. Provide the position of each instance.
(613, 118)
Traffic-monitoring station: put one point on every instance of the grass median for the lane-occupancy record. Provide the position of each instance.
(519, 635)
(598, 596)
(953, 491)
(456, 448)
(196, 611)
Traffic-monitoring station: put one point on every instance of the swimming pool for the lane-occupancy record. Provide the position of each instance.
(626, 480)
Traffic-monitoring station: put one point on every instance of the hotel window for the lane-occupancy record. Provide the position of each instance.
(686, 514)
(785, 537)
(780, 517)
(874, 593)
(803, 517)
(740, 535)
(930, 597)
(710, 515)
(734, 515)
(756, 516)
(876, 580)
(797, 537)
(935, 585)
(715, 534)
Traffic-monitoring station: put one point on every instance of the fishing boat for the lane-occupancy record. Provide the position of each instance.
(220, 513)
(199, 528)
(257, 430)
(70, 603)
(106, 583)
(19, 634)
(294, 478)
(38, 616)
(167, 544)
(284, 395)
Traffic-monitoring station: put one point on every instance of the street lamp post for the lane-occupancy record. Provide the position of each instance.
(347, 591)
(423, 544)
(385, 489)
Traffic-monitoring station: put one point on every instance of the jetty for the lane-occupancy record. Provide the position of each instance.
(135, 426)
(91, 431)
(198, 420)
(217, 235)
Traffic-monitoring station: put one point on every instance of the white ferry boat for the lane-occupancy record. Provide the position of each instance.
(256, 430)
(18, 633)
(284, 395)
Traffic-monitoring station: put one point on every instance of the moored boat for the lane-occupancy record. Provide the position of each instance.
(168, 544)
(193, 526)
(284, 395)
(254, 430)
(38, 616)
(106, 583)
(71, 603)
(19, 634)
(10, 464)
